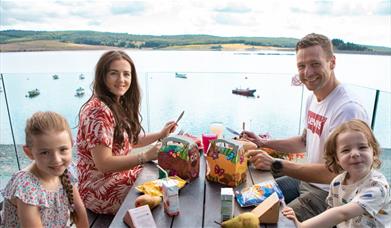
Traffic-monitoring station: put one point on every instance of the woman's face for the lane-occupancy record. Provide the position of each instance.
(119, 77)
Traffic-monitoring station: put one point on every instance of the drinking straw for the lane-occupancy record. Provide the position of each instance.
(164, 171)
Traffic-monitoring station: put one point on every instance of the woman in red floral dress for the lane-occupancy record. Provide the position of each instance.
(109, 126)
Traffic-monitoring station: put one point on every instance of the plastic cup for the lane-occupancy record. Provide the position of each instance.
(206, 138)
(217, 128)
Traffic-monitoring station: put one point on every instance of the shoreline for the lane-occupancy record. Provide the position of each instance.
(52, 45)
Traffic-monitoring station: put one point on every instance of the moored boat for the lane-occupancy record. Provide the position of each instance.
(80, 92)
(81, 76)
(180, 75)
(33, 93)
(244, 92)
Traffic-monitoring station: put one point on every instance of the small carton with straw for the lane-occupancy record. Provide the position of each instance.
(170, 195)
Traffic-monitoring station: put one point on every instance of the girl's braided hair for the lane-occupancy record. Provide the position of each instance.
(66, 183)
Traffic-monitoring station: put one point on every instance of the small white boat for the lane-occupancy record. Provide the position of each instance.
(81, 76)
(55, 76)
(179, 75)
(80, 92)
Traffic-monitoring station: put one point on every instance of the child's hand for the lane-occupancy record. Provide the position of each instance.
(290, 214)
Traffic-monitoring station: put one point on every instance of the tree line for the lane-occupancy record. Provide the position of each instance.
(157, 42)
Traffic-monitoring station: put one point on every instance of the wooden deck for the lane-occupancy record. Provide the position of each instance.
(199, 203)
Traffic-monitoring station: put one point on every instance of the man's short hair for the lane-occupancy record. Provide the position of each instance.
(314, 39)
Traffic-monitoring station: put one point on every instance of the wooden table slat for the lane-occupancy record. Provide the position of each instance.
(103, 221)
(149, 172)
(191, 202)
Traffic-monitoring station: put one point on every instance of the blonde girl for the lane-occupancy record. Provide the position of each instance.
(43, 194)
(360, 195)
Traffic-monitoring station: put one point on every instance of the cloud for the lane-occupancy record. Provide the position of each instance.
(129, 8)
(369, 19)
(233, 8)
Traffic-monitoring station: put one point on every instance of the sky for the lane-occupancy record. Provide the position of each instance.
(358, 21)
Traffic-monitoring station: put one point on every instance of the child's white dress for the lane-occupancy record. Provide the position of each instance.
(53, 205)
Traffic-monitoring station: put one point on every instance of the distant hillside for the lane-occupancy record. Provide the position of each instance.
(125, 40)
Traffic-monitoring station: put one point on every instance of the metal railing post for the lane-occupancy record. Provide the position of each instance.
(375, 109)
(9, 119)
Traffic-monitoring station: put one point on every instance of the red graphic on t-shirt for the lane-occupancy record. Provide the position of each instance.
(315, 122)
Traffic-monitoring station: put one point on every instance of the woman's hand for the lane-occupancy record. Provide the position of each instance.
(168, 128)
(151, 154)
(261, 159)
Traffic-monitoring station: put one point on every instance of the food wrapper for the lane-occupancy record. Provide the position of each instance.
(154, 188)
(256, 194)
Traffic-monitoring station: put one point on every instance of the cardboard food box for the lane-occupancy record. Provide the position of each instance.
(269, 210)
(139, 217)
(179, 156)
(226, 163)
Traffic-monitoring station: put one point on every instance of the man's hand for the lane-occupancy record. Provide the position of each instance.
(252, 137)
(261, 159)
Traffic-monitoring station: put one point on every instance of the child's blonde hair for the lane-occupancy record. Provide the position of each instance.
(40, 123)
(331, 144)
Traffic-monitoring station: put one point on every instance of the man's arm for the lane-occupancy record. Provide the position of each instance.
(315, 172)
(291, 145)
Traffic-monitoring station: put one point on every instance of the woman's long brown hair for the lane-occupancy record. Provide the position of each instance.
(127, 111)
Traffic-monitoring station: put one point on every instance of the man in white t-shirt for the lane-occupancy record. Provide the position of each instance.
(328, 106)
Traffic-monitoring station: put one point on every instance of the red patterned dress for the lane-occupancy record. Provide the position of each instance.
(101, 192)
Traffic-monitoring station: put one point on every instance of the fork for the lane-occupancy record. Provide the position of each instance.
(181, 132)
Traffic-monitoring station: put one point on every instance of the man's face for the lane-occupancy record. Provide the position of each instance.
(315, 68)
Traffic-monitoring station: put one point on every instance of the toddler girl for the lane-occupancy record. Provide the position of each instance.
(360, 195)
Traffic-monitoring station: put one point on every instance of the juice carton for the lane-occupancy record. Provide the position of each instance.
(227, 203)
(170, 197)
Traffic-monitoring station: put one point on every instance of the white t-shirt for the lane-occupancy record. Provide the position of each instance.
(372, 193)
(322, 117)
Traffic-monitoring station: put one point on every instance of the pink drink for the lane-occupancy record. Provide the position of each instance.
(206, 138)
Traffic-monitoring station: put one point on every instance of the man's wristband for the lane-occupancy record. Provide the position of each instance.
(277, 166)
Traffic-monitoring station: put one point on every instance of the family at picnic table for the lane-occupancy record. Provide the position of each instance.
(339, 184)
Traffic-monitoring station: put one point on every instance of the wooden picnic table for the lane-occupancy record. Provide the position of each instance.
(199, 202)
